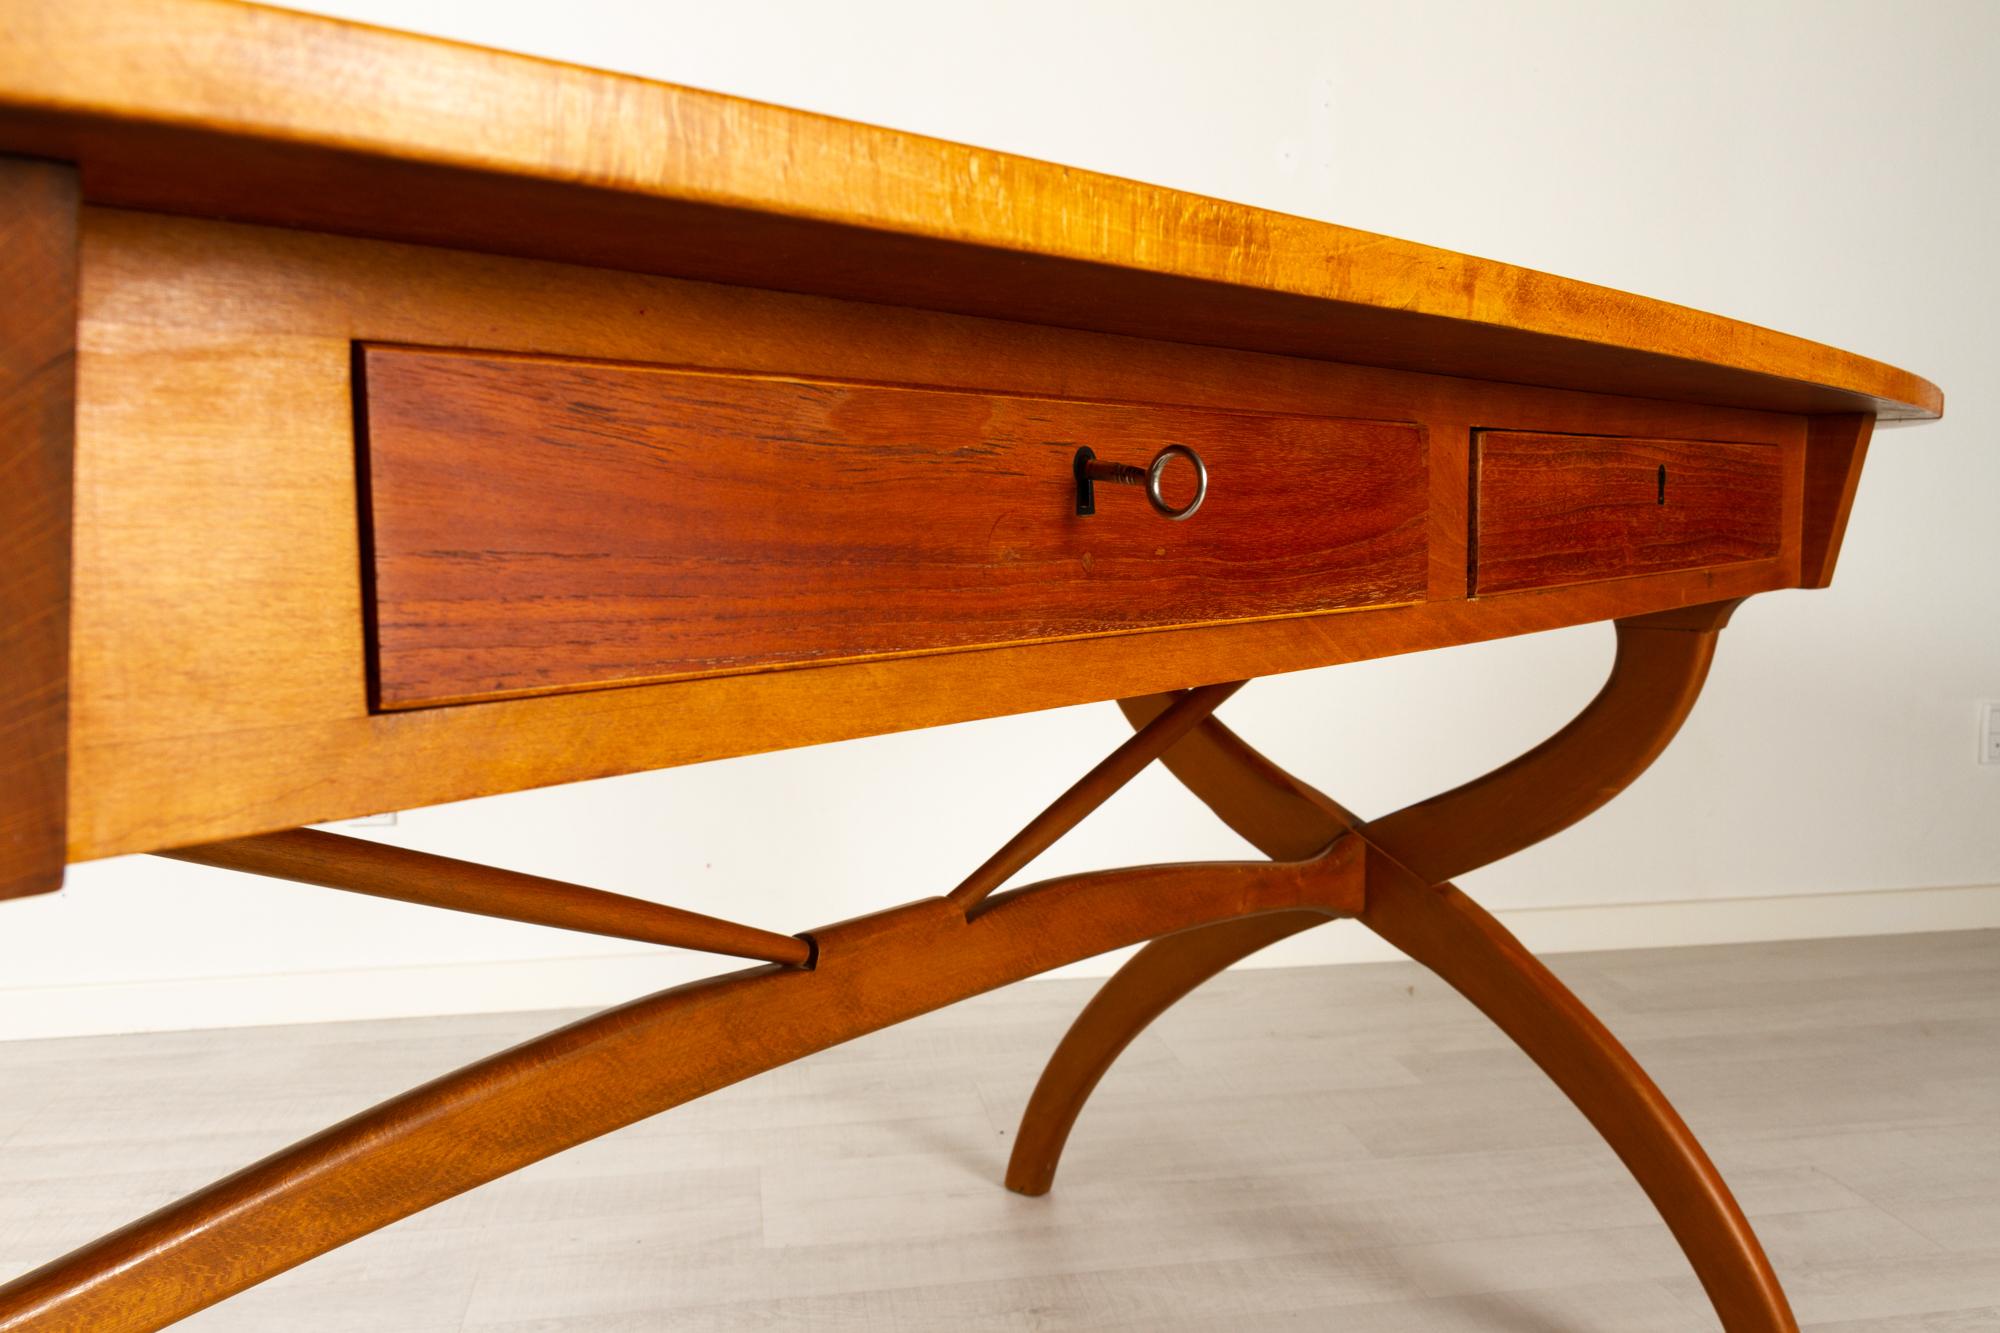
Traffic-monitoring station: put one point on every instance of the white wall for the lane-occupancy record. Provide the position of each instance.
(1827, 169)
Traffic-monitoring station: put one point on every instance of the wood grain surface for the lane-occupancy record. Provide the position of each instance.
(1555, 509)
(541, 524)
(213, 108)
(38, 276)
(215, 396)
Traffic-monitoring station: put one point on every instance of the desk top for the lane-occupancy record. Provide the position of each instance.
(275, 117)
(536, 424)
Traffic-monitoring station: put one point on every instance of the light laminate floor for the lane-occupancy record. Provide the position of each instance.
(1317, 1148)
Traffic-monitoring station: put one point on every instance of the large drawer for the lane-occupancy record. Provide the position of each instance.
(1558, 509)
(537, 524)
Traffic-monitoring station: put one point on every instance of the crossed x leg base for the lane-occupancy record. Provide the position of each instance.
(1409, 857)
(635, 1061)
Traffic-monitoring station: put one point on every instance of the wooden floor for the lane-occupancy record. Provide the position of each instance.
(1312, 1148)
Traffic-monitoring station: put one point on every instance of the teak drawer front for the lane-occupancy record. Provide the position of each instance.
(539, 524)
(1557, 509)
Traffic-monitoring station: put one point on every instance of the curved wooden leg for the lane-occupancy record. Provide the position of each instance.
(623, 1065)
(1276, 813)
(1451, 935)
(1146, 987)
(1661, 664)
(1281, 817)
(1658, 673)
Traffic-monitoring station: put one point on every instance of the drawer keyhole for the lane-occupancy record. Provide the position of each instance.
(1663, 483)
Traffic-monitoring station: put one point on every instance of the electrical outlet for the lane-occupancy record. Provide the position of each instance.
(1989, 732)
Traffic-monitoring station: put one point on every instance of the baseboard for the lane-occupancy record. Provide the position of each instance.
(599, 980)
(1653, 925)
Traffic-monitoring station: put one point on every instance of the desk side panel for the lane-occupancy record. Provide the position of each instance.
(1836, 447)
(220, 678)
(38, 263)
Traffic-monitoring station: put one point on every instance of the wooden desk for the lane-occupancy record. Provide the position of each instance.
(390, 422)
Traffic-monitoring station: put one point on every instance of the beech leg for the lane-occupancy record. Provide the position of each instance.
(1661, 664)
(1277, 814)
(626, 1064)
(1654, 679)
(1149, 983)
(1450, 934)
(1658, 673)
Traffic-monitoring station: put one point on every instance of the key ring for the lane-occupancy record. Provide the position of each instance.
(1089, 470)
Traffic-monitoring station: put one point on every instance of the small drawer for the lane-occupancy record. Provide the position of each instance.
(1550, 510)
(538, 524)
